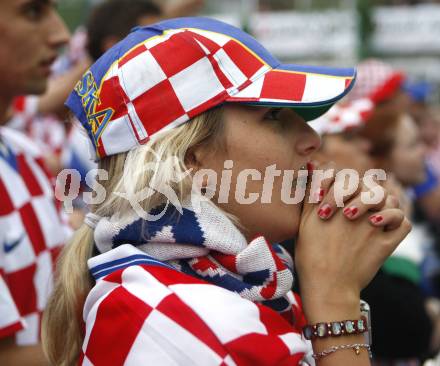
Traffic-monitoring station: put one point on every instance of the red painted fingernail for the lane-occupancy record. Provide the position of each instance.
(375, 219)
(310, 167)
(350, 211)
(325, 211)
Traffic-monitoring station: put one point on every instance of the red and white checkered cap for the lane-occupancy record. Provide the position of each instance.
(376, 80)
(344, 117)
(163, 75)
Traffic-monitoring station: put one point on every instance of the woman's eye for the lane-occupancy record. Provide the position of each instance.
(273, 114)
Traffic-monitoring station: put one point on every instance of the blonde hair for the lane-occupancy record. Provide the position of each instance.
(62, 334)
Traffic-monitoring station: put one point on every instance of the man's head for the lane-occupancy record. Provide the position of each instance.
(31, 33)
(112, 20)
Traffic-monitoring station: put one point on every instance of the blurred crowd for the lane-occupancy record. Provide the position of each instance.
(389, 121)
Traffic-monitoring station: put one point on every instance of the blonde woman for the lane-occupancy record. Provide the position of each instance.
(179, 112)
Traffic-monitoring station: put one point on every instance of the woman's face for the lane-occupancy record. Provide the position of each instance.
(407, 156)
(256, 138)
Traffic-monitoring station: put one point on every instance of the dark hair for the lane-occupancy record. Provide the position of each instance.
(115, 18)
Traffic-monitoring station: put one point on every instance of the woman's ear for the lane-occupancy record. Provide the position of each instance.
(194, 161)
(204, 156)
(194, 157)
(190, 159)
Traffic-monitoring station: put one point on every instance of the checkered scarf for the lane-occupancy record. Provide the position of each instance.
(205, 244)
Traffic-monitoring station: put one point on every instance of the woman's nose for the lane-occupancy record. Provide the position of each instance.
(308, 142)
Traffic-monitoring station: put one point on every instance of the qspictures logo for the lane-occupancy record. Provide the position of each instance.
(207, 183)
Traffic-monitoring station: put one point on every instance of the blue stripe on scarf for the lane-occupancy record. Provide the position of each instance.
(185, 228)
(258, 277)
(280, 304)
(104, 269)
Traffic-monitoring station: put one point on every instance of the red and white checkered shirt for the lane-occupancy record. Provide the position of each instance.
(143, 312)
(31, 235)
(47, 131)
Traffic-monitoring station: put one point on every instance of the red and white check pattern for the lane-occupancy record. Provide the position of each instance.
(154, 315)
(29, 217)
(10, 321)
(343, 117)
(375, 80)
(46, 131)
(151, 91)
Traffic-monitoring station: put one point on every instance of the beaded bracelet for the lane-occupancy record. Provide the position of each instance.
(356, 347)
(335, 329)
